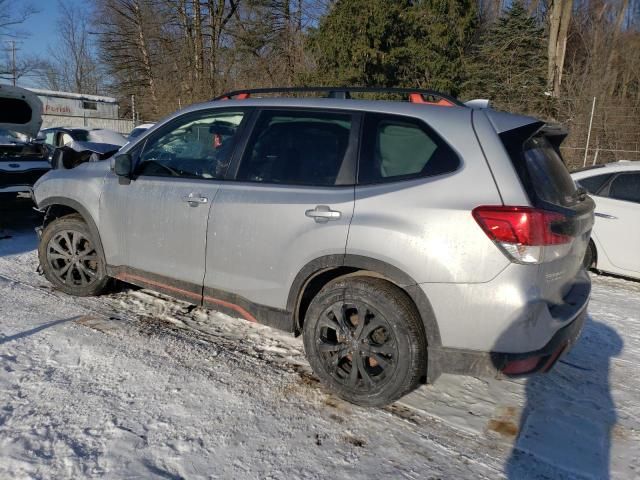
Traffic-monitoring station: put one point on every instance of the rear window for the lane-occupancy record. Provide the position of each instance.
(80, 135)
(548, 175)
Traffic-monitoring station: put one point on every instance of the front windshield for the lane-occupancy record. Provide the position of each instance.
(9, 137)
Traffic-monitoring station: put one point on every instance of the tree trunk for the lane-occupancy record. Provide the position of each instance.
(146, 58)
(198, 50)
(559, 20)
(614, 46)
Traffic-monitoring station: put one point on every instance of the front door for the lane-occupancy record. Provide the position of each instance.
(162, 214)
(291, 202)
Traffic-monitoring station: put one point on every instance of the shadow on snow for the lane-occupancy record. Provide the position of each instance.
(569, 413)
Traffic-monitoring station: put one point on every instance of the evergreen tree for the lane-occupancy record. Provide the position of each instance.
(509, 63)
(362, 42)
(395, 43)
(442, 31)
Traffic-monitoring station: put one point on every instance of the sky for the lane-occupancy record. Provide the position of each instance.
(40, 29)
(38, 33)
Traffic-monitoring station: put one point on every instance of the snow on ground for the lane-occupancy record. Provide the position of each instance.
(136, 385)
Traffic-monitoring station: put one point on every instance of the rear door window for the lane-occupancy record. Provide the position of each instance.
(549, 176)
(398, 148)
(297, 148)
(626, 187)
(595, 183)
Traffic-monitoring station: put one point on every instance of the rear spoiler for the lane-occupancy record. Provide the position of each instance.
(478, 103)
(556, 134)
(514, 130)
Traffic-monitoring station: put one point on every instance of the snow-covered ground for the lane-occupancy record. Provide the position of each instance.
(136, 385)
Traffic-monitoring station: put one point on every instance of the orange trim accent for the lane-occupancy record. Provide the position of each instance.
(418, 98)
(246, 315)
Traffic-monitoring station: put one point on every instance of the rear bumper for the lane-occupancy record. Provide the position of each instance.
(500, 364)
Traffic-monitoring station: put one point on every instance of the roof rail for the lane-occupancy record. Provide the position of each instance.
(415, 95)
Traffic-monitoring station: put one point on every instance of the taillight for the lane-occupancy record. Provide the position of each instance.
(525, 234)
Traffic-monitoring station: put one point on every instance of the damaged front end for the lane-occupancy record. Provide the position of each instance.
(76, 153)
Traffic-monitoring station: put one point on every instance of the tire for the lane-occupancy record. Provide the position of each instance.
(589, 260)
(71, 259)
(390, 347)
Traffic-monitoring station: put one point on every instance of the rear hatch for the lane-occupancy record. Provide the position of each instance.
(20, 111)
(534, 150)
(22, 161)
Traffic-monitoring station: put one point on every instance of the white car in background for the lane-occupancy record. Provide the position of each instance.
(57, 137)
(615, 239)
(139, 130)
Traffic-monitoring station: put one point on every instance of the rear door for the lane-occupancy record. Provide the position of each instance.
(291, 202)
(618, 221)
(156, 225)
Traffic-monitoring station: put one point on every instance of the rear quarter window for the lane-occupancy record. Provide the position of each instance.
(399, 148)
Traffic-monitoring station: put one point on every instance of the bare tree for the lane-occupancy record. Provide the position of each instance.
(71, 64)
(12, 16)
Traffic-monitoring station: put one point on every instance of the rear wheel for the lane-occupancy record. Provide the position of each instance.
(589, 260)
(364, 339)
(71, 258)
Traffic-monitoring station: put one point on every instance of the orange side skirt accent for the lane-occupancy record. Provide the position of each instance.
(237, 308)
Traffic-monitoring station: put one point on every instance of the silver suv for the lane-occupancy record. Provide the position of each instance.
(401, 239)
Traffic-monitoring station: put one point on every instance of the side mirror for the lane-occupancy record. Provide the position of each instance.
(41, 138)
(123, 165)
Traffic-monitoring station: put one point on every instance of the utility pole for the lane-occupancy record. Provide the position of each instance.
(586, 147)
(13, 63)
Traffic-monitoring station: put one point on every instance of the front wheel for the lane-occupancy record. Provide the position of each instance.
(71, 259)
(364, 338)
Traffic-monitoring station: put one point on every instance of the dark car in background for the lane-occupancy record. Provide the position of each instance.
(23, 159)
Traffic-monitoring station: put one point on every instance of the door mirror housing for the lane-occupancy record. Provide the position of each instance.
(123, 165)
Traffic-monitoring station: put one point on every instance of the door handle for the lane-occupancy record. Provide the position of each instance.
(323, 213)
(195, 199)
(604, 215)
